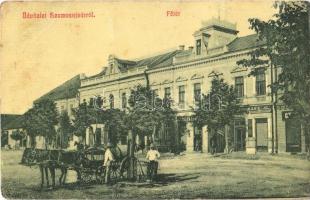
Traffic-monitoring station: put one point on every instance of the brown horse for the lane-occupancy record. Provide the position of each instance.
(48, 161)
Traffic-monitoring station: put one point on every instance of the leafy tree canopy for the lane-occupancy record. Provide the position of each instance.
(41, 119)
(17, 135)
(114, 120)
(218, 107)
(84, 116)
(287, 49)
(147, 111)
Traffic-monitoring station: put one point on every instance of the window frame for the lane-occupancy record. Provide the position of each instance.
(167, 95)
(111, 101)
(239, 86)
(124, 100)
(196, 91)
(260, 83)
(198, 47)
(182, 94)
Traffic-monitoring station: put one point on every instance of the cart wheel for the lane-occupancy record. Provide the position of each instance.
(114, 172)
(124, 166)
(86, 176)
(100, 173)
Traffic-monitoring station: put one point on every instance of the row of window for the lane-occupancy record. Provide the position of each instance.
(260, 84)
(197, 93)
(239, 86)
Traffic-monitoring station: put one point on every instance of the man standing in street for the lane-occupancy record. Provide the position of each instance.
(152, 156)
(108, 158)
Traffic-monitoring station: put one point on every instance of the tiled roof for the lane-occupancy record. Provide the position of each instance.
(67, 90)
(6, 119)
(159, 60)
(166, 59)
(14, 124)
(246, 42)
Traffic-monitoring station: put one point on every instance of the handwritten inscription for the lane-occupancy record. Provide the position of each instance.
(173, 13)
(53, 15)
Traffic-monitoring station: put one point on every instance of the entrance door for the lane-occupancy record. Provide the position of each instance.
(293, 135)
(197, 139)
(98, 136)
(182, 135)
(240, 139)
(262, 134)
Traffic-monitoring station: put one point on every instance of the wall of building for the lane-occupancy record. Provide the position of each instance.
(67, 105)
(116, 88)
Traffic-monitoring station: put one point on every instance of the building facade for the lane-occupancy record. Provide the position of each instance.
(184, 74)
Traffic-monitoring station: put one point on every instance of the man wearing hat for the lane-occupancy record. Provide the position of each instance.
(108, 157)
(152, 156)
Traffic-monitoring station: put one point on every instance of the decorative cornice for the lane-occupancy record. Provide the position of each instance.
(215, 73)
(201, 61)
(154, 83)
(239, 69)
(180, 79)
(167, 82)
(197, 76)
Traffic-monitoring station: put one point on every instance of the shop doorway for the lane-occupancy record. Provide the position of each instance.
(261, 134)
(293, 135)
(239, 139)
(197, 139)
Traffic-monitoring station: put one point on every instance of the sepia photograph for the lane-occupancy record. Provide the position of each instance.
(155, 99)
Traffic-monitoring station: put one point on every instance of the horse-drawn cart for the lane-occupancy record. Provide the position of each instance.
(88, 164)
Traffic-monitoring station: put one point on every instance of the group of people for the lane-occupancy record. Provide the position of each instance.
(152, 156)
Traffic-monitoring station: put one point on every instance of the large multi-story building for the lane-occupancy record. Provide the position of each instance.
(183, 74)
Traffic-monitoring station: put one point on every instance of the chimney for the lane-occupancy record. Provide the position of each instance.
(181, 47)
(190, 48)
(82, 76)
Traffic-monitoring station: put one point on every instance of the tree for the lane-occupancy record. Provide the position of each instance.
(17, 135)
(114, 120)
(4, 138)
(146, 113)
(286, 51)
(41, 120)
(84, 116)
(218, 108)
(65, 129)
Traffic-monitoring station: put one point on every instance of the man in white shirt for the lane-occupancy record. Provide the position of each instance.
(108, 158)
(152, 156)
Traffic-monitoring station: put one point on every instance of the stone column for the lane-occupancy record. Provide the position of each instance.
(102, 135)
(190, 137)
(87, 136)
(205, 139)
(269, 142)
(28, 141)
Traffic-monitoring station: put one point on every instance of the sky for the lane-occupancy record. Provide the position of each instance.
(37, 55)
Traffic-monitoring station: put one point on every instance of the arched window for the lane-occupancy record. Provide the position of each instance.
(111, 101)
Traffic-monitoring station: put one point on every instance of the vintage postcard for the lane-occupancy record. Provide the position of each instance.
(155, 99)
